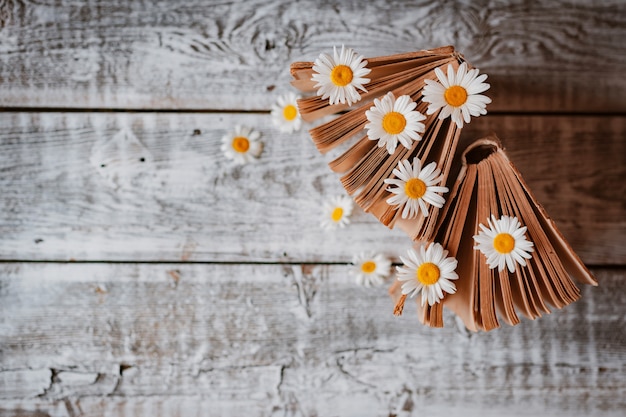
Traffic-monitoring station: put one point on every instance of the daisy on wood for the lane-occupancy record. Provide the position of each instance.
(504, 242)
(394, 120)
(285, 114)
(369, 269)
(458, 94)
(337, 211)
(415, 187)
(428, 270)
(242, 145)
(339, 76)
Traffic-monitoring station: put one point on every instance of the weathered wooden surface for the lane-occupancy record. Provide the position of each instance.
(187, 202)
(247, 328)
(540, 56)
(181, 340)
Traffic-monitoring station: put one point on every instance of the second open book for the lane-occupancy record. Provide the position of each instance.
(489, 186)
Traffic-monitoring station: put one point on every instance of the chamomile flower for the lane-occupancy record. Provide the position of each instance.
(430, 270)
(285, 114)
(415, 187)
(504, 242)
(242, 145)
(339, 76)
(394, 120)
(458, 94)
(369, 269)
(337, 211)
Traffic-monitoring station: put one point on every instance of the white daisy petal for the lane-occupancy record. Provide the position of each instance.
(428, 170)
(441, 77)
(394, 181)
(426, 296)
(447, 286)
(445, 112)
(438, 290)
(459, 76)
(452, 74)
(518, 257)
(457, 94)
(255, 149)
(408, 211)
(467, 78)
(466, 114)
(439, 189)
(510, 263)
(423, 207)
(414, 188)
(434, 200)
(477, 88)
(456, 117)
(504, 243)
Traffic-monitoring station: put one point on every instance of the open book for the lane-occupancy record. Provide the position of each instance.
(490, 187)
(364, 165)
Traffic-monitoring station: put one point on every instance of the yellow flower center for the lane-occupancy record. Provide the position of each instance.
(455, 95)
(241, 144)
(290, 112)
(341, 75)
(504, 243)
(428, 273)
(415, 188)
(394, 122)
(368, 267)
(337, 214)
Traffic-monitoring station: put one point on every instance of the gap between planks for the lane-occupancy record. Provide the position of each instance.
(261, 111)
(611, 267)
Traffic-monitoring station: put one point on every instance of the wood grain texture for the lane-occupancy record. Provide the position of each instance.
(208, 289)
(185, 201)
(551, 56)
(125, 340)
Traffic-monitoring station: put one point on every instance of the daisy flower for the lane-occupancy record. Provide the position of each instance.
(285, 114)
(369, 269)
(429, 270)
(392, 120)
(339, 76)
(337, 211)
(458, 94)
(242, 145)
(504, 242)
(415, 188)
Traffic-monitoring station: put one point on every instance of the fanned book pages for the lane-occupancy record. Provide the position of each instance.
(404, 113)
(511, 257)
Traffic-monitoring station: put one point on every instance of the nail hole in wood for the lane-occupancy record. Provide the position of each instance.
(124, 367)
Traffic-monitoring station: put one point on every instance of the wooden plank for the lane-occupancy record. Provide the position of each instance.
(186, 202)
(541, 56)
(24, 383)
(353, 405)
(300, 340)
